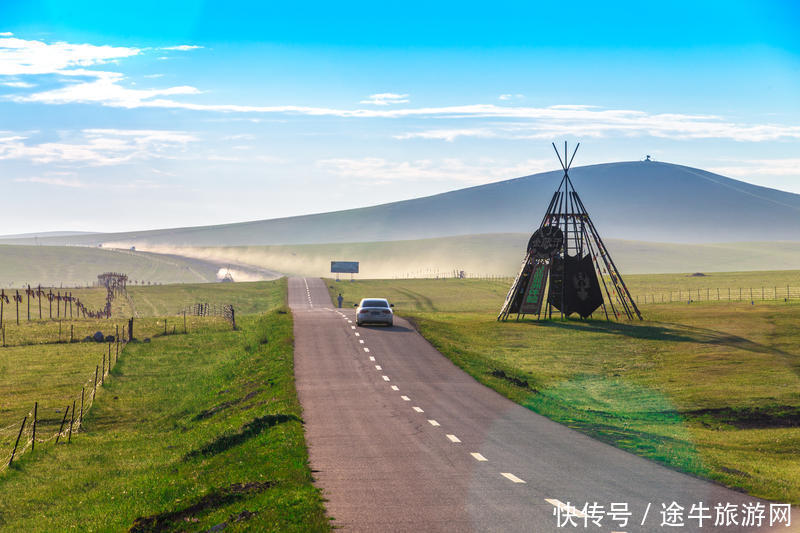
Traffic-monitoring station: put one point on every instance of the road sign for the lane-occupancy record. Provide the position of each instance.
(344, 267)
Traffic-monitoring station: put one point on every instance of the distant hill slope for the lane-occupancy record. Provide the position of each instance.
(75, 266)
(496, 254)
(644, 201)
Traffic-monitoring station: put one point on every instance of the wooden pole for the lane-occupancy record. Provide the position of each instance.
(80, 420)
(35, 413)
(71, 422)
(71, 333)
(60, 429)
(94, 387)
(17, 443)
(103, 373)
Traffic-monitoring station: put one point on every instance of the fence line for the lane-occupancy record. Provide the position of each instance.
(28, 433)
(730, 294)
(225, 311)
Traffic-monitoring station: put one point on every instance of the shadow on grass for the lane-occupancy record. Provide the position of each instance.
(663, 331)
(172, 520)
(248, 431)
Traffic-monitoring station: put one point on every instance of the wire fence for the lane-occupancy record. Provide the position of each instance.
(42, 425)
(225, 311)
(58, 424)
(729, 294)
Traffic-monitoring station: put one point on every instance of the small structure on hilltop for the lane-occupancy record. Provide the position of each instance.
(567, 266)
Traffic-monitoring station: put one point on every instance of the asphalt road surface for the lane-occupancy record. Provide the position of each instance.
(400, 439)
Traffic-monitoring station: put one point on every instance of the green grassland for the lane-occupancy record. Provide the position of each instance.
(189, 431)
(493, 254)
(77, 265)
(712, 389)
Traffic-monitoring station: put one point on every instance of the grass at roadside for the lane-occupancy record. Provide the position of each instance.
(190, 432)
(712, 389)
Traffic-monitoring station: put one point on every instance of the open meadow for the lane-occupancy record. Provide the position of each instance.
(188, 431)
(709, 388)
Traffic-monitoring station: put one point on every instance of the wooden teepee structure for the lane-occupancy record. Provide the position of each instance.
(567, 266)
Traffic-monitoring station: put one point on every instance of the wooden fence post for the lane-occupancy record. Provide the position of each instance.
(71, 421)
(94, 388)
(60, 429)
(33, 439)
(103, 373)
(130, 329)
(17, 443)
(80, 420)
(71, 333)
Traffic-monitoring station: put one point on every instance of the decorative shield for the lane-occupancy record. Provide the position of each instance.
(545, 242)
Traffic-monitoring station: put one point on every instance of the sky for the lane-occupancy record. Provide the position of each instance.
(168, 114)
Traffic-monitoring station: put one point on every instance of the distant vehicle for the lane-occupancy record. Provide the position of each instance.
(374, 311)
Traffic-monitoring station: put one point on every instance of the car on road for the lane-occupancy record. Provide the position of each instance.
(374, 311)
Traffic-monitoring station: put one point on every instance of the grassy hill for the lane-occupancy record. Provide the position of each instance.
(495, 254)
(77, 265)
(642, 201)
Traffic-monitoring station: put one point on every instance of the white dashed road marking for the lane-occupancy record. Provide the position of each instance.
(395, 387)
(511, 477)
(563, 506)
(385, 378)
(378, 367)
(352, 327)
(418, 409)
(358, 334)
(361, 341)
(478, 457)
(406, 398)
(434, 423)
(453, 438)
(371, 358)
(366, 350)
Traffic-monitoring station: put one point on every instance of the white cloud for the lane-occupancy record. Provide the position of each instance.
(386, 99)
(58, 182)
(22, 57)
(379, 171)
(508, 97)
(182, 47)
(6, 34)
(153, 75)
(18, 84)
(98, 147)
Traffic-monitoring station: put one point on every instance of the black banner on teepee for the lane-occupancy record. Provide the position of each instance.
(581, 290)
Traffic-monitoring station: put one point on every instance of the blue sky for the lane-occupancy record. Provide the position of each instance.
(170, 114)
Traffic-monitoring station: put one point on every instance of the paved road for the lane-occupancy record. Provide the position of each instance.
(400, 439)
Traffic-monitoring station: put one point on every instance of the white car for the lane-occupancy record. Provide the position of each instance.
(374, 311)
